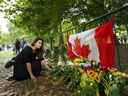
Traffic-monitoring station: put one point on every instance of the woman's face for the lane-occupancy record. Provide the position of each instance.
(38, 44)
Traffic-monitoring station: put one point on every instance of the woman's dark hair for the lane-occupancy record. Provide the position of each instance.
(34, 41)
(17, 44)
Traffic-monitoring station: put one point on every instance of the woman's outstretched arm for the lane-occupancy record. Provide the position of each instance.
(29, 69)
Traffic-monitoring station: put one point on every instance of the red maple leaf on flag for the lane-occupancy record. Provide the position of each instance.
(70, 53)
(77, 50)
(77, 47)
(81, 50)
(85, 51)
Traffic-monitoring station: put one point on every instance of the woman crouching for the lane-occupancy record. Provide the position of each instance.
(27, 66)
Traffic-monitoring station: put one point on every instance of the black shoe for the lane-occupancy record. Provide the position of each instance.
(11, 78)
(9, 64)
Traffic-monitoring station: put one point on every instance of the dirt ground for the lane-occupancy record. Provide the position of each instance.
(45, 86)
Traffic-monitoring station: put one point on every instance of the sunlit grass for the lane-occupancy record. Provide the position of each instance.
(5, 56)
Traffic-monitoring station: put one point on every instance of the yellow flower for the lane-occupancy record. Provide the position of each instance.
(94, 75)
(77, 60)
(118, 73)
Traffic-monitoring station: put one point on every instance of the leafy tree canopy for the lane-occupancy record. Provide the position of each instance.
(43, 17)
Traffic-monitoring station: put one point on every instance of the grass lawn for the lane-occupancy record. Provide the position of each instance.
(6, 55)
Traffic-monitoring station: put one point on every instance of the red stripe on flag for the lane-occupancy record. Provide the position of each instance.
(106, 46)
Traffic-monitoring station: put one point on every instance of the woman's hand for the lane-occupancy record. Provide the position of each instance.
(29, 68)
(45, 61)
(42, 62)
(33, 78)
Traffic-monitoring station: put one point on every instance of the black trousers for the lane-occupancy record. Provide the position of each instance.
(21, 72)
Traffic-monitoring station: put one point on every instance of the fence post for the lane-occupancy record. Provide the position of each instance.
(117, 50)
(126, 25)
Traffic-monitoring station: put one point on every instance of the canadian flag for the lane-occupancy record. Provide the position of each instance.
(95, 44)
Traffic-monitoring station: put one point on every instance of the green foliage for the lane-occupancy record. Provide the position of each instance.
(39, 16)
(121, 30)
(82, 85)
(16, 33)
(71, 75)
(88, 87)
(12, 36)
(48, 18)
(1, 1)
(42, 16)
